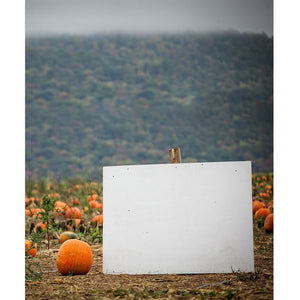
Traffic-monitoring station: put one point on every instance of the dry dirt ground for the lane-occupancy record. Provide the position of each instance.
(96, 285)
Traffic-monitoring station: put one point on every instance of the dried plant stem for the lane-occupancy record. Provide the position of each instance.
(217, 283)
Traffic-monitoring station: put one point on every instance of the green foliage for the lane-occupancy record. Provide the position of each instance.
(33, 271)
(96, 234)
(47, 206)
(36, 237)
(113, 99)
(260, 222)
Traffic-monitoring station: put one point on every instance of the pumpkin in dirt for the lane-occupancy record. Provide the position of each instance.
(262, 212)
(30, 248)
(73, 213)
(74, 258)
(256, 205)
(268, 224)
(98, 219)
(67, 235)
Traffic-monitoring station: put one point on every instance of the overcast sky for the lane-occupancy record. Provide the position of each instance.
(93, 16)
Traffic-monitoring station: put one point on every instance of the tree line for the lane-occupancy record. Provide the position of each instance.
(100, 100)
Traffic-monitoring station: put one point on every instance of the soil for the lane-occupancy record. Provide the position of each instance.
(96, 285)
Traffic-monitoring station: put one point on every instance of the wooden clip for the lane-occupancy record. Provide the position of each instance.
(175, 155)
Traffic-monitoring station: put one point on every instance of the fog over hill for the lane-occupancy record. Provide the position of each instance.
(144, 16)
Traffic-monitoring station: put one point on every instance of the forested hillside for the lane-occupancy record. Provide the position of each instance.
(105, 100)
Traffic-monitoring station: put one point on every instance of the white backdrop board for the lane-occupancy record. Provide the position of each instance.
(178, 218)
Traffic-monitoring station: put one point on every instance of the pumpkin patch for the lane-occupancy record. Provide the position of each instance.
(263, 201)
(84, 234)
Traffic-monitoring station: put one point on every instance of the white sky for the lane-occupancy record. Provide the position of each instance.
(92, 16)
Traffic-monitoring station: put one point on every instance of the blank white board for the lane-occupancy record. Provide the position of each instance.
(178, 218)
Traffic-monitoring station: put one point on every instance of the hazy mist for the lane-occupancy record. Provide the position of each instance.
(147, 16)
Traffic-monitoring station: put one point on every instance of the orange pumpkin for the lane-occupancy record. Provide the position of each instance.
(30, 248)
(270, 204)
(268, 187)
(54, 195)
(256, 205)
(59, 211)
(73, 213)
(36, 212)
(99, 205)
(92, 197)
(96, 204)
(262, 212)
(34, 192)
(27, 212)
(93, 203)
(266, 195)
(74, 258)
(66, 236)
(27, 200)
(74, 201)
(40, 226)
(77, 222)
(77, 187)
(99, 219)
(61, 204)
(268, 224)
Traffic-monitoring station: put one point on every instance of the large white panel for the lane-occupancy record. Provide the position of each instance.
(178, 218)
